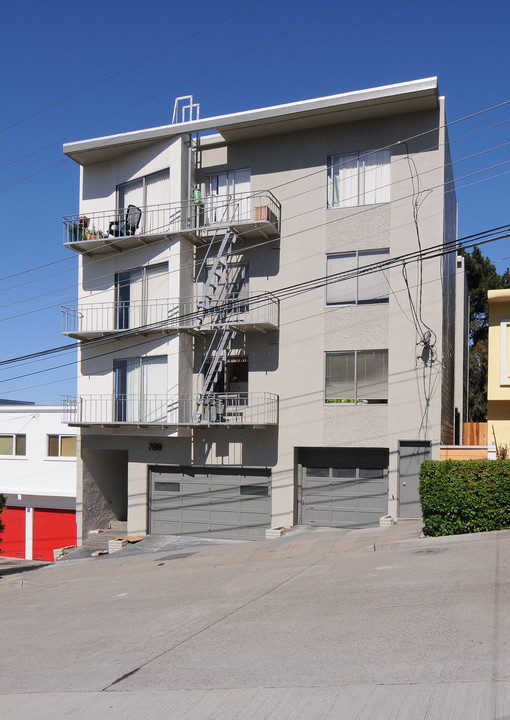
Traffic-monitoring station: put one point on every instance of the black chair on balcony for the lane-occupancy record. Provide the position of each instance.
(120, 228)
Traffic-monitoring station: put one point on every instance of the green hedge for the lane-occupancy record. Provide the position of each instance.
(465, 496)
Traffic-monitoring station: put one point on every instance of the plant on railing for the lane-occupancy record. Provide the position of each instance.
(93, 234)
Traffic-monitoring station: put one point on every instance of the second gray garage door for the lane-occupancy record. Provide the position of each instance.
(227, 503)
(343, 487)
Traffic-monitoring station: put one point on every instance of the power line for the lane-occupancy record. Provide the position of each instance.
(399, 142)
(471, 115)
(125, 69)
(285, 292)
(257, 245)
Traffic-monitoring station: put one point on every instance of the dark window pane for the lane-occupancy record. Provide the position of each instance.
(161, 486)
(259, 490)
(53, 445)
(317, 472)
(21, 444)
(371, 472)
(344, 472)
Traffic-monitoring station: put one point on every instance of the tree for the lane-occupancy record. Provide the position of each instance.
(481, 276)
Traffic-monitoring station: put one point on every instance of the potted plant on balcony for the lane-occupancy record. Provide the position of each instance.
(74, 232)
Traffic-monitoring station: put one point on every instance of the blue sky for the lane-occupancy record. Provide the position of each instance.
(74, 70)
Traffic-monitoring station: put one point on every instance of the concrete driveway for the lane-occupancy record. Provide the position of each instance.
(318, 624)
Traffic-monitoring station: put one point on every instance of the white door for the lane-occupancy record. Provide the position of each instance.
(155, 389)
(157, 198)
(227, 196)
(155, 299)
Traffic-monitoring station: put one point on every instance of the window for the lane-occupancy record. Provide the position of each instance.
(228, 196)
(13, 444)
(149, 190)
(137, 293)
(361, 178)
(358, 376)
(150, 193)
(357, 287)
(61, 445)
(140, 386)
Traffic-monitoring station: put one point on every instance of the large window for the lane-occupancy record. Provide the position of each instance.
(13, 444)
(152, 195)
(361, 178)
(149, 190)
(357, 376)
(141, 389)
(137, 293)
(355, 287)
(228, 196)
(61, 445)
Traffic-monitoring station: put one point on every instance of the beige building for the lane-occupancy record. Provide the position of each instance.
(267, 315)
(498, 380)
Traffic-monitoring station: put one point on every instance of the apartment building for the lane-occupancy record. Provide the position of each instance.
(266, 315)
(38, 480)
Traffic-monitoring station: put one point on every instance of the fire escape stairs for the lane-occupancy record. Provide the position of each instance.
(217, 300)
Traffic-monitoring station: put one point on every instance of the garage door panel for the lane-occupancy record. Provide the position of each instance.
(343, 494)
(372, 503)
(13, 536)
(212, 503)
(52, 529)
(372, 487)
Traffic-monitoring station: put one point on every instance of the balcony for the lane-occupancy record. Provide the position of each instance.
(252, 216)
(213, 409)
(253, 312)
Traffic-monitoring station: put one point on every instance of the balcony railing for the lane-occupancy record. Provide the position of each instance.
(224, 409)
(88, 320)
(247, 212)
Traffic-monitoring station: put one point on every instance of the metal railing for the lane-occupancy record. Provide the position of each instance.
(215, 409)
(175, 218)
(112, 317)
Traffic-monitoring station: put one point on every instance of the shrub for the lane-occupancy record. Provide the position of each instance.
(465, 496)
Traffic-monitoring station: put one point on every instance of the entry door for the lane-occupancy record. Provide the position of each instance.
(141, 389)
(411, 455)
(128, 299)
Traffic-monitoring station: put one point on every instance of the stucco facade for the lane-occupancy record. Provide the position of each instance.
(498, 380)
(356, 389)
(38, 480)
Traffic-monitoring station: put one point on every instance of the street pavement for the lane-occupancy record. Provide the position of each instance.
(361, 624)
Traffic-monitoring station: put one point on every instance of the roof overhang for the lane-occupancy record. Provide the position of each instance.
(414, 96)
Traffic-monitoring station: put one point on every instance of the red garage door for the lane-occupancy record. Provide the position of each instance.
(52, 529)
(13, 536)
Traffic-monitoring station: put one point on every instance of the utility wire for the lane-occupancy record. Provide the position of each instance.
(285, 292)
(256, 245)
(127, 68)
(364, 209)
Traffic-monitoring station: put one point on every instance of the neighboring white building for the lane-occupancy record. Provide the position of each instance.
(38, 479)
(214, 395)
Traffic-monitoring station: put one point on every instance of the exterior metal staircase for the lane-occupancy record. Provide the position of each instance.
(219, 288)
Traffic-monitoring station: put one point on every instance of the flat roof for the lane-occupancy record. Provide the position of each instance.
(417, 95)
(502, 295)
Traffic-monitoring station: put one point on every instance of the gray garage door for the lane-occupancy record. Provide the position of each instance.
(228, 503)
(344, 489)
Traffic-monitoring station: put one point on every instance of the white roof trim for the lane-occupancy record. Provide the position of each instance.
(219, 122)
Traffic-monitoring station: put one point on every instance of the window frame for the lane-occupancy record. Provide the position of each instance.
(356, 400)
(143, 178)
(59, 455)
(338, 160)
(379, 300)
(16, 439)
